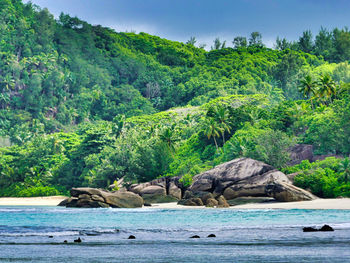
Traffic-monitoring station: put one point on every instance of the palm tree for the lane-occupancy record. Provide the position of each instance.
(307, 87)
(344, 167)
(168, 136)
(222, 117)
(327, 87)
(211, 129)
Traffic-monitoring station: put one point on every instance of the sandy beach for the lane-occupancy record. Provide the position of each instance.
(342, 203)
(31, 201)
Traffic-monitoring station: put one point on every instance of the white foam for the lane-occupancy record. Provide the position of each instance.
(28, 234)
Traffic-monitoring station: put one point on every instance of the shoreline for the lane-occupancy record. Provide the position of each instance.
(338, 203)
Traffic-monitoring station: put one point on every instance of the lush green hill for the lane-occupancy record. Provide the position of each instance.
(85, 105)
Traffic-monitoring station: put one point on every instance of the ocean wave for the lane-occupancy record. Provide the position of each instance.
(97, 232)
(26, 231)
(31, 234)
(345, 225)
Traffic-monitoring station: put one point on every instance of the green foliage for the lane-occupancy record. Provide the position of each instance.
(271, 147)
(20, 190)
(84, 105)
(327, 178)
(186, 180)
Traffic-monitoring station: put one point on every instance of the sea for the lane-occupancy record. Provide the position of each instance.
(47, 234)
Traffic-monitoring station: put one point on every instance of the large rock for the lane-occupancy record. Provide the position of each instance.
(300, 152)
(164, 189)
(229, 173)
(137, 188)
(97, 198)
(255, 185)
(153, 190)
(156, 194)
(175, 191)
(245, 177)
(75, 192)
(160, 181)
(123, 199)
(285, 192)
(92, 198)
(204, 196)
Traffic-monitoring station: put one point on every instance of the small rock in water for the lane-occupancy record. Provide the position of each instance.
(131, 237)
(326, 228)
(77, 240)
(50, 236)
(65, 241)
(195, 236)
(211, 235)
(309, 229)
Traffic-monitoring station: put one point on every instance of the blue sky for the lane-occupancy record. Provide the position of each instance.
(208, 19)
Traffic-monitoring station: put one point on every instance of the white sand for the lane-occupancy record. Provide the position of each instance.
(31, 201)
(343, 203)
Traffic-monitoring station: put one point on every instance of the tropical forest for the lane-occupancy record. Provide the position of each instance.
(84, 105)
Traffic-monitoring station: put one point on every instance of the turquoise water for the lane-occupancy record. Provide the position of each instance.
(162, 235)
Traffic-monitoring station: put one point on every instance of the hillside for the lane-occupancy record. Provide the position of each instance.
(84, 105)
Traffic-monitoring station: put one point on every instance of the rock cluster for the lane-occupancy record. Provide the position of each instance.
(203, 198)
(93, 198)
(324, 228)
(165, 189)
(247, 177)
(237, 179)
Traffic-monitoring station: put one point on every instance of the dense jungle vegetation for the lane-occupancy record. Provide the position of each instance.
(83, 105)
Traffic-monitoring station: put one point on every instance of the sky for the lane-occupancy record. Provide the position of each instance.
(207, 19)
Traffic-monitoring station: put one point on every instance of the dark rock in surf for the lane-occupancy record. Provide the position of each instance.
(309, 229)
(131, 237)
(211, 235)
(326, 228)
(77, 240)
(195, 236)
